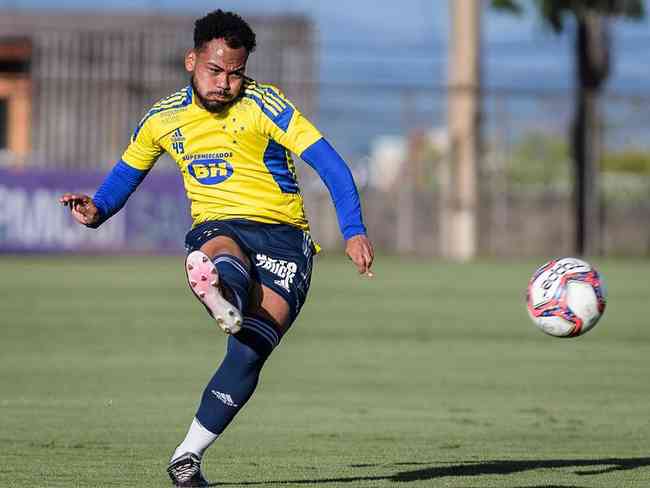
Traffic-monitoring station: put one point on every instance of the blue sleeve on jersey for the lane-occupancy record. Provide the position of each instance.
(337, 177)
(116, 190)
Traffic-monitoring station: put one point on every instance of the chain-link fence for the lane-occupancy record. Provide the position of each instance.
(90, 86)
(94, 77)
(526, 204)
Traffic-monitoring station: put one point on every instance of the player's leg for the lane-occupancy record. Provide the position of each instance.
(277, 293)
(218, 272)
(233, 267)
(235, 380)
(218, 275)
(268, 316)
(233, 383)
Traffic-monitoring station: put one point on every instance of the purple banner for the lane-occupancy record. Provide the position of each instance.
(155, 219)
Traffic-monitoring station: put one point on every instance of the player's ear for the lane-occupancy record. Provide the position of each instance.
(190, 60)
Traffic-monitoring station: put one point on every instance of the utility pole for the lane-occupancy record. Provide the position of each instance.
(593, 67)
(460, 202)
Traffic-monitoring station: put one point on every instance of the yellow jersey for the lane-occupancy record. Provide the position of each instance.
(236, 163)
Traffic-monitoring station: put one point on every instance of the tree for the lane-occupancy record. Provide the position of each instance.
(592, 57)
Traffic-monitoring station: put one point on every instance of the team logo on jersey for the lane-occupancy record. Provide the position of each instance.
(285, 270)
(210, 171)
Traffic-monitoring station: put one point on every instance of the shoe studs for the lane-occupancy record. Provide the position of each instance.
(202, 274)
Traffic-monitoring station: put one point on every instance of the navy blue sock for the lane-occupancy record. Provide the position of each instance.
(233, 273)
(234, 382)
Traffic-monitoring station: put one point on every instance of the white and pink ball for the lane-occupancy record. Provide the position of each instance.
(566, 297)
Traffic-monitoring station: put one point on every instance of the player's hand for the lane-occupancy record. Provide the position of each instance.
(82, 208)
(359, 250)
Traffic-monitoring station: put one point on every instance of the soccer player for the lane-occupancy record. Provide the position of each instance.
(249, 250)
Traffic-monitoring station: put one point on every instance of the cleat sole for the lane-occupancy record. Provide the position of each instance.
(225, 314)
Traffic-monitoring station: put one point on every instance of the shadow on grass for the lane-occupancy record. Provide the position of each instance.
(586, 467)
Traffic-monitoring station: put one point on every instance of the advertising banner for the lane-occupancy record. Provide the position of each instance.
(154, 220)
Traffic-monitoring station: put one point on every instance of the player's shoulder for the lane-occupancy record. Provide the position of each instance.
(182, 97)
(166, 107)
(267, 91)
(269, 100)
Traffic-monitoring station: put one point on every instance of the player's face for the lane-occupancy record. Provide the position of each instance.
(217, 73)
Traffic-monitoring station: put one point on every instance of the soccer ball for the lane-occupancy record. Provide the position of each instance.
(566, 297)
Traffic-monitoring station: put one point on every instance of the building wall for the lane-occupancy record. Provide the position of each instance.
(94, 76)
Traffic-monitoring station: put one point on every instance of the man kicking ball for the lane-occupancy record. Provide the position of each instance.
(249, 250)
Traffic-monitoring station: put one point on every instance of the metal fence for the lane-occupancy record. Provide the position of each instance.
(525, 173)
(94, 77)
(92, 85)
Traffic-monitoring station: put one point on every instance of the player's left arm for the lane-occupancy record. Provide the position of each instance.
(138, 158)
(301, 137)
(109, 198)
(338, 178)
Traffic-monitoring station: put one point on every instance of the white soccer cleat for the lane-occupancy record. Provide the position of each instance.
(203, 279)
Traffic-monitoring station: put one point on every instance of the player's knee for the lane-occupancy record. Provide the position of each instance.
(257, 339)
(270, 307)
(224, 245)
(250, 352)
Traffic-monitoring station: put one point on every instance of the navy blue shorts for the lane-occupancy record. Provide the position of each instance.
(281, 255)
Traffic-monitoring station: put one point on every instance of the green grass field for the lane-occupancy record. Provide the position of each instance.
(429, 375)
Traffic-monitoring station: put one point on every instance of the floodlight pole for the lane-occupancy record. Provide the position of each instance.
(459, 219)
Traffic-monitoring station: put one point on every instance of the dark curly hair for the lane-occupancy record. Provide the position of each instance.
(224, 25)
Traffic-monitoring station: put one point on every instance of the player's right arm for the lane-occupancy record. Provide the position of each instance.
(293, 131)
(120, 183)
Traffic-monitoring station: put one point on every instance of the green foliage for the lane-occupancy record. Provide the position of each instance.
(512, 6)
(637, 162)
(553, 12)
(540, 158)
(429, 375)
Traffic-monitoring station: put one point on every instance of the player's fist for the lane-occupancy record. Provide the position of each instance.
(82, 208)
(359, 250)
